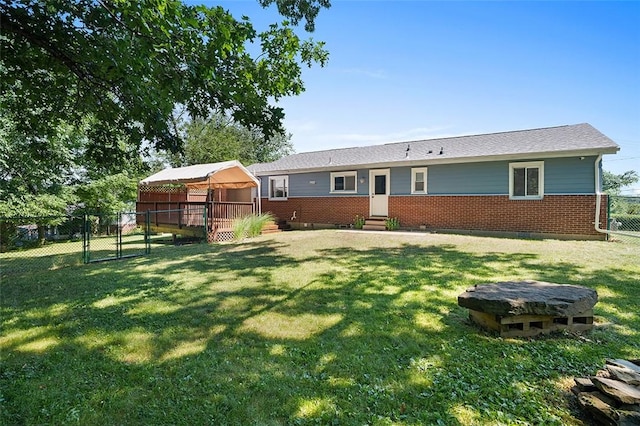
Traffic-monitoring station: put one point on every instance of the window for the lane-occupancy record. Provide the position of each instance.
(419, 180)
(344, 182)
(526, 180)
(278, 187)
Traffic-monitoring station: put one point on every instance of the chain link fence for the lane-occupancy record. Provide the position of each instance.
(39, 243)
(624, 218)
(30, 244)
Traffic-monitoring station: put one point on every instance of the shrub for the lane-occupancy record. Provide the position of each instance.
(392, 223)
(628, 222)
(358, 222)
(250, 226)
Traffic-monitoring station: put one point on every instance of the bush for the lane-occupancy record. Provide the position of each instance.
(628, 222)
(392, 223)
(358, 222)
(250, 226)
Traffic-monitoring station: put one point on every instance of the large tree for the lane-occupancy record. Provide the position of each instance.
(219, 138)
(35, 171)
(124, 69)
(613, 183)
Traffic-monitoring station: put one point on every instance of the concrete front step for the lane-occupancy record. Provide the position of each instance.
(270, 231)
(271, 228)
(375, 224)
(374, 227)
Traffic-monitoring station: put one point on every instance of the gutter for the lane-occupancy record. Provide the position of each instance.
(434, 160)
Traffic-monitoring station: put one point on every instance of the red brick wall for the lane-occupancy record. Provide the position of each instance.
(555, 214)
(333, 210)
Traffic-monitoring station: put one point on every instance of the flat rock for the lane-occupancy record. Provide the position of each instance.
(585, 384)
(623, 374)
(623, 392)
(624, 364)
(529, 297)
(600, 406)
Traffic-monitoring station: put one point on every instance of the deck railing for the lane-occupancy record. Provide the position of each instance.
(192, 214)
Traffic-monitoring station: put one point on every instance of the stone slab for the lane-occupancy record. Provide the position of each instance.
(624, 374)
(624, 363)
(623, 392)
(529, 297)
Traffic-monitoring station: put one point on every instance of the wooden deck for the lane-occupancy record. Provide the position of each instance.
(201, 219)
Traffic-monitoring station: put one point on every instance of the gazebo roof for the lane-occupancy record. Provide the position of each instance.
(228, 174)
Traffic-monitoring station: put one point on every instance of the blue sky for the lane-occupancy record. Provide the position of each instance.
(406, 70)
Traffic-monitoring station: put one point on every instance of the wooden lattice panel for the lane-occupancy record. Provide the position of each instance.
(162, 189)
(225, 236)
(220, 236)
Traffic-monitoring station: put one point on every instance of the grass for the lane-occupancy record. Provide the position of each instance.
(58, 254)
(322, 327)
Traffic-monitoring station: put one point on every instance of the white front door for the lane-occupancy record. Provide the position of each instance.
(379, 192)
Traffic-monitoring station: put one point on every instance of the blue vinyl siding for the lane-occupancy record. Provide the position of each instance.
(569, 175)
(400, 180)
(300, 185)
(468, 178)
(561, 176)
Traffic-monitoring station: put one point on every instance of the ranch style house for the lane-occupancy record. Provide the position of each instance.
(530, 183)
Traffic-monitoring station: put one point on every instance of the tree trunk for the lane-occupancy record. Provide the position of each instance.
(41, 234)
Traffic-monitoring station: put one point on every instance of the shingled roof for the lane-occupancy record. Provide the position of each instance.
(578, 139)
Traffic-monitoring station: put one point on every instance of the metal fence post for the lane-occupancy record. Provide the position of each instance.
(147, 232)
(119, 235)
(608, 213)
(85, 239)
(206, 227)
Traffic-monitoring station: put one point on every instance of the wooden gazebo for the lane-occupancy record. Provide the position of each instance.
(200, 200)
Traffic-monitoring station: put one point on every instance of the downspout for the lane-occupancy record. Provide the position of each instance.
(259, 196)
(598, 195)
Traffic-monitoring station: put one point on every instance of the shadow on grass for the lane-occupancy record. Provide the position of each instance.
(258, 333)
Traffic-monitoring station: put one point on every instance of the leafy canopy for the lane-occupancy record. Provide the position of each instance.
(45, 176)
(613, 183)
(35, 172)
(125, 68)
(221, 139)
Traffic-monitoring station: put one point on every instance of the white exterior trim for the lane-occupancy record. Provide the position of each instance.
(415, 170)
(286, 188)
(527, 165)
(344, 174)
(429, 162)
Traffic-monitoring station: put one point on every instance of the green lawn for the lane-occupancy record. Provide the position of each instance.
(317, 327)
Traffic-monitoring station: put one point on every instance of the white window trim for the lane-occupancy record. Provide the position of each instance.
(413, 180)
(286, 183)
(344, 174)
(526, 165)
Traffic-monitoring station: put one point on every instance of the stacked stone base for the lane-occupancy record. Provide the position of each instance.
(532, 325)
(529, 308)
